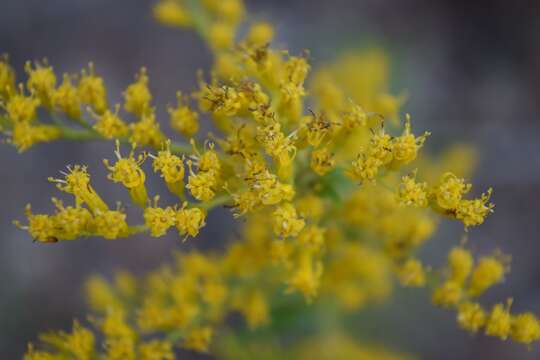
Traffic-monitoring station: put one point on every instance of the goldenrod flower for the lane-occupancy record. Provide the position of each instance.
(448, 294)
(137, 96)
(199, 339)
(450, 190)
(291, 173)
(171, 13)
(77, 182)
(499, 321)
(260, 34)
(156, 350)
(171, 168)
(66, 98)
(110, 125)
(159, 220)
(489, 271)
(79, 343)
(21, 108)
(286, 221)
(190, 221)
(26, 135)
(412, 274)
(183, 119)
(460, 263)
(525, 328)
(110, 224)
(146, 131)
(128, 172)
(42, 81)
(7, 77)
(411, 192)
(92, 90)
(471, 316)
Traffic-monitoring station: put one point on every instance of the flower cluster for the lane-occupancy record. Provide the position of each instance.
(336, 198)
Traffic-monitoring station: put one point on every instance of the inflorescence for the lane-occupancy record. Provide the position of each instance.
(330, 181)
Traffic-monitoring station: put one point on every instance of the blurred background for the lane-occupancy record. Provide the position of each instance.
(472, 73)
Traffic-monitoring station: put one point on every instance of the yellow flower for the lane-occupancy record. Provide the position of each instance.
(412, 274)
(499, 321)
(137, 96)
(189, 221)
(201, 185)
(364, 168)
(146, 131)
(171, 13)
(460, 262)
(41, 80)
(448, 294)
(276, 144)
(159, 220)
(70, 222)
(7, 77)
(306, 277)
(405, 147)
(21, 108)
(322, 161)
(79, 343)
(67, 99)
(220, 100)
(317, 129)
(471, 316)
(77, 182)
(92, 90)
(183, 119)
(110, 224)
(26, 135)
(525, 328)
(286, 221)
(355, 116)
(450, 191)
(255, 309)
(128, 172)
(221, 36)
(41, 227)
(99, 295)
(260, 34)
(412, 193)
(110, 125)
(156, 350)
(171, 168)
(199, 339)
(473, 212)
(489, 271)
(33, 354)
(312, 239)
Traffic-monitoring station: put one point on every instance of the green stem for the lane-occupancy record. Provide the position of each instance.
(200, 22)
(220, 200)
(137, 229)
(179, 148)
(79, 135)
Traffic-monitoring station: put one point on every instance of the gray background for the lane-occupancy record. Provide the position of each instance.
(472, 72)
